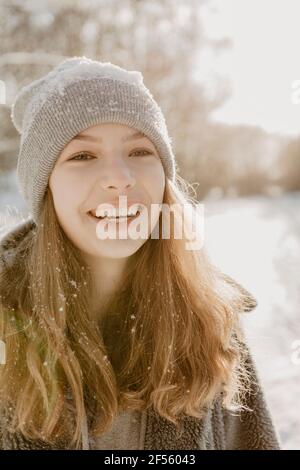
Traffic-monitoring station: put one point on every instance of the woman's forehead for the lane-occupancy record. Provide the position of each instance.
(100, 133)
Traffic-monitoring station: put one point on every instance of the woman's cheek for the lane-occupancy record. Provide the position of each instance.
(150, 168)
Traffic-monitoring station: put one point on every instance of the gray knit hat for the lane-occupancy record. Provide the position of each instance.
(77, 94)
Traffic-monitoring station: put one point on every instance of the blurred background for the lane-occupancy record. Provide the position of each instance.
(226, 77)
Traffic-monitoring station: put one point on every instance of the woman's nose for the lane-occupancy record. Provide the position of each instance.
(117, 175)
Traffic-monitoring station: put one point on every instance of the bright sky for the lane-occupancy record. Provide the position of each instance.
(261, 66)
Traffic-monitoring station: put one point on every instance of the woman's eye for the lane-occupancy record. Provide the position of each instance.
(142, 150)
(81, 155)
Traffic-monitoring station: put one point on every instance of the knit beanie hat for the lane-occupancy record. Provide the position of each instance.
(77, 94)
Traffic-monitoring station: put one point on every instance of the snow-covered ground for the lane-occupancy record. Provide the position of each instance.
(256, 240)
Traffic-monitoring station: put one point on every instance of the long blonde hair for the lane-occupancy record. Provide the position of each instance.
(170, 339)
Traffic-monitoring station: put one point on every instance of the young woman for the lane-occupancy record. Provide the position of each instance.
(117, 342)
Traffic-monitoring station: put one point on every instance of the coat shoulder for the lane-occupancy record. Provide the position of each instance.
(249, 301)
(11, 238)
(253, 427)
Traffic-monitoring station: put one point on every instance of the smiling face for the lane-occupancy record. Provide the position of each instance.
(96, 167)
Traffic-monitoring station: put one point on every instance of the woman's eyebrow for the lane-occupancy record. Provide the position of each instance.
(135, 136)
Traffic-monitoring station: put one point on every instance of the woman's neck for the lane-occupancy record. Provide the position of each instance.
(108, 275)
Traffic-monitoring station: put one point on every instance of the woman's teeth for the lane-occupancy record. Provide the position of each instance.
(109, 217)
